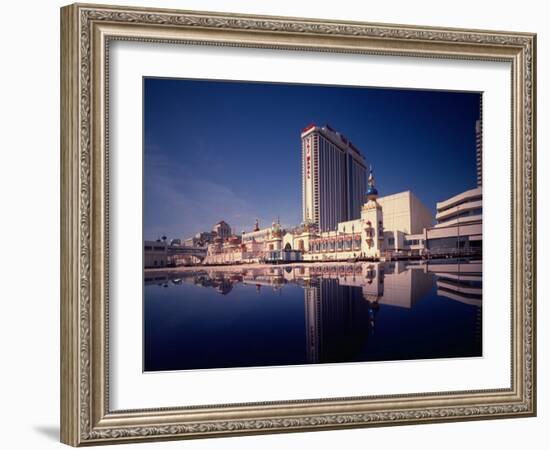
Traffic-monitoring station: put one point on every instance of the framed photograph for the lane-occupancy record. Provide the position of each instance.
(276, 224)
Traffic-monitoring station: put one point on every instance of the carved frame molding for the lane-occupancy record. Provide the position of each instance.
(86, 31)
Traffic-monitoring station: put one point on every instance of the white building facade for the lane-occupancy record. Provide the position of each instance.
(459, 227)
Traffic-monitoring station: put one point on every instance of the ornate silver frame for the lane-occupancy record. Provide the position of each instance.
(86, 31)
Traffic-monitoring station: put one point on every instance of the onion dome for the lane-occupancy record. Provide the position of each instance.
(372, 191)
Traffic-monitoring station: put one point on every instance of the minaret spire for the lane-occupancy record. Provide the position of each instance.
(371, 177)
(372, 192)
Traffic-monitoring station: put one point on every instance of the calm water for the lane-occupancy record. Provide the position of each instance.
(311, 314)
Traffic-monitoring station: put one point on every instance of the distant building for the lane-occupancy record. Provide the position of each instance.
(333, 178)
(222, 229)
(190, 242)
(155, 254)
(261, 244)
(200, 239)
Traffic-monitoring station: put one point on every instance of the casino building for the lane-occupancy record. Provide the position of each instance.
(333, 178)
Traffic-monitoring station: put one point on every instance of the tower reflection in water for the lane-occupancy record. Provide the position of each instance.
(354, 312)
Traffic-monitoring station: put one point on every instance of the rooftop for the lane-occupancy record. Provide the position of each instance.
(331, 133)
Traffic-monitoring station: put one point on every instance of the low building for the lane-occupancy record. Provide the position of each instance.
(415, 244)
(299, 238)
(228, 251)
(459, 228)
(257, 235)
(155, 254)
(404, 212)
(404, 215)
(259, 241)
(283, 256)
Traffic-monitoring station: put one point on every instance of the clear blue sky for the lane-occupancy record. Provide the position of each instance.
(218, 150)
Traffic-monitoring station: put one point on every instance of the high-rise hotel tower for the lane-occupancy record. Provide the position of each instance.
(334, 178)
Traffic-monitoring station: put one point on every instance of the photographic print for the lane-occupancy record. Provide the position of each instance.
(290, 224)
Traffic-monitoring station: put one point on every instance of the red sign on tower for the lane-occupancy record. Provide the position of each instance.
(308, 158)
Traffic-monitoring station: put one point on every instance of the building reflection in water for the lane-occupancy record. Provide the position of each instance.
(460, 282)
(338, 321)
(341, 307)
(342, 301)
